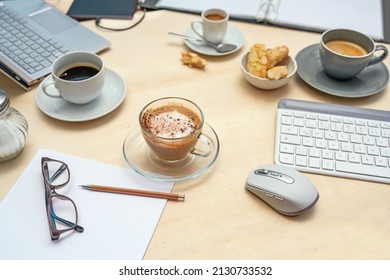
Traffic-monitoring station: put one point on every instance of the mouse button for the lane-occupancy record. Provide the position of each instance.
(287, 179)
(261, 171)
(274, 174)
(282, 177)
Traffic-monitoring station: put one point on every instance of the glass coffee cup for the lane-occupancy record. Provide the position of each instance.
(172, 127)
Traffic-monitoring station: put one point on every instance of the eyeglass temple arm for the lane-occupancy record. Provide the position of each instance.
(66, 222)
(58, 172)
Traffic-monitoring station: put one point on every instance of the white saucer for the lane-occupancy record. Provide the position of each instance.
(233, 36)
(140, 158)
(113, 94)
(371, 80)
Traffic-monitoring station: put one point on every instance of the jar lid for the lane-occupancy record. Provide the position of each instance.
(4, 100)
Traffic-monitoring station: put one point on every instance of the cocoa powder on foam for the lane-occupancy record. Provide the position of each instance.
(170, 121)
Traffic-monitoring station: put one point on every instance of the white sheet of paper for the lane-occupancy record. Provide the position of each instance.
(116, 226)
(360, 15)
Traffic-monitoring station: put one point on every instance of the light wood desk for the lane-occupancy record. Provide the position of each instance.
(219, 219)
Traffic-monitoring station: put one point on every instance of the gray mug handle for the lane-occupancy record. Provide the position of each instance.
(375, 60)
(210, 144)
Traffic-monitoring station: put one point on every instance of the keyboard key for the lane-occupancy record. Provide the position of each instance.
(290, 139)
(286, 149)
(301, 161)
(367, 160)
(380, 142)
(354, 158)
(326, 154)
(373, 150)
(314, 163)
(379, 161)
(308, 142)
(385, 152)
(302, 151)
(341, 156)
(327, 164)
(314, 152)
(363, 169)
(289, 130)
(287, 159)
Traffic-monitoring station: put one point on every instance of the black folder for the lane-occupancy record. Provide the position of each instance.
(113, 9)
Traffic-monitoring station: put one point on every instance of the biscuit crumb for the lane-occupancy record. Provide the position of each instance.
(193, 60)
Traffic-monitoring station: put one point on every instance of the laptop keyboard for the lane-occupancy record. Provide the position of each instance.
(24, 46)
(334, 140)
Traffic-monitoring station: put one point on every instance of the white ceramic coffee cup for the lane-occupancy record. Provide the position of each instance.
(213, 26)
(343, 67)
(77, 91)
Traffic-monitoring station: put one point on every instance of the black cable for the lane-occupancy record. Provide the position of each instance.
(98, 24)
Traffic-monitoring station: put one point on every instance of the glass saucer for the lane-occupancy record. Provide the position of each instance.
(139, 157)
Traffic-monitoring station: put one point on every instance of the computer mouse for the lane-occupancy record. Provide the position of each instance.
(285, 189)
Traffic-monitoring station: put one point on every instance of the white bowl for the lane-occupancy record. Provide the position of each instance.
(264, 83)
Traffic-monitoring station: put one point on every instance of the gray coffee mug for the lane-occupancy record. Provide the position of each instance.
(343, 67)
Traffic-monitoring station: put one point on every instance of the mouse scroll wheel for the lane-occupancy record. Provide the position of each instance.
(261, 171)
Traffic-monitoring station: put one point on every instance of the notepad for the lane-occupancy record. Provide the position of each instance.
(116, 227)
(91, 9)
(314, 15)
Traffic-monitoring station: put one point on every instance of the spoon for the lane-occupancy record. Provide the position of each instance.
(222, 48)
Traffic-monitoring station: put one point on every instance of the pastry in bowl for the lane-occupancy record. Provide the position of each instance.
(267, 68)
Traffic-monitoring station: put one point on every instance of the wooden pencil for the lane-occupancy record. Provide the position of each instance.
(155, 194)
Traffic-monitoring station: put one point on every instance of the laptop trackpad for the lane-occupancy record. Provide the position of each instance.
(52, 20)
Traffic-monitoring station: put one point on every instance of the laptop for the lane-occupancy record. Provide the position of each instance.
(33, 34)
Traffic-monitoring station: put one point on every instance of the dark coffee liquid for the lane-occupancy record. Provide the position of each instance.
(79, 73)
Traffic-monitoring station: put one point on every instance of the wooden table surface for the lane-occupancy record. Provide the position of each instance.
(219, 219)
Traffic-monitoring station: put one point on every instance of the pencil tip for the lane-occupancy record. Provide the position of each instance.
(85, 186)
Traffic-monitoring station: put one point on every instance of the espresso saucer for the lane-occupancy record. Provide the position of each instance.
(139, 157)
(113, 94)
(233, 36)
(373, 79)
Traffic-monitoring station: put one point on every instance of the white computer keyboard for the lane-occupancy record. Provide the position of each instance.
(335, 140)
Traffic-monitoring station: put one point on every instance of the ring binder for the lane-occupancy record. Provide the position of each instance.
(307, 15)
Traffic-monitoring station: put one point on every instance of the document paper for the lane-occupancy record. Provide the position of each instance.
(115, 226)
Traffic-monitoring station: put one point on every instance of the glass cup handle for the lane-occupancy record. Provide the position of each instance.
(210, 144)
(194, 29)
(48, 83)
(380, 58)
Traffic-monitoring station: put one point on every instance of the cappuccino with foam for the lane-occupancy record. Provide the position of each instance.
(172, 127)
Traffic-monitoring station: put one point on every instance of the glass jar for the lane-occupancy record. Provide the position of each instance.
(13, 129)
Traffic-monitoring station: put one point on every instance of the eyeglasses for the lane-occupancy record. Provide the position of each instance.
(61, 210)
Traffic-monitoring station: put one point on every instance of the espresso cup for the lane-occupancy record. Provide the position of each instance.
(345, 53)
(213, 26)
(172, 127)
(77, 77)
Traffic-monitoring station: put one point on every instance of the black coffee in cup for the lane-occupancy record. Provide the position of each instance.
(78, 73)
